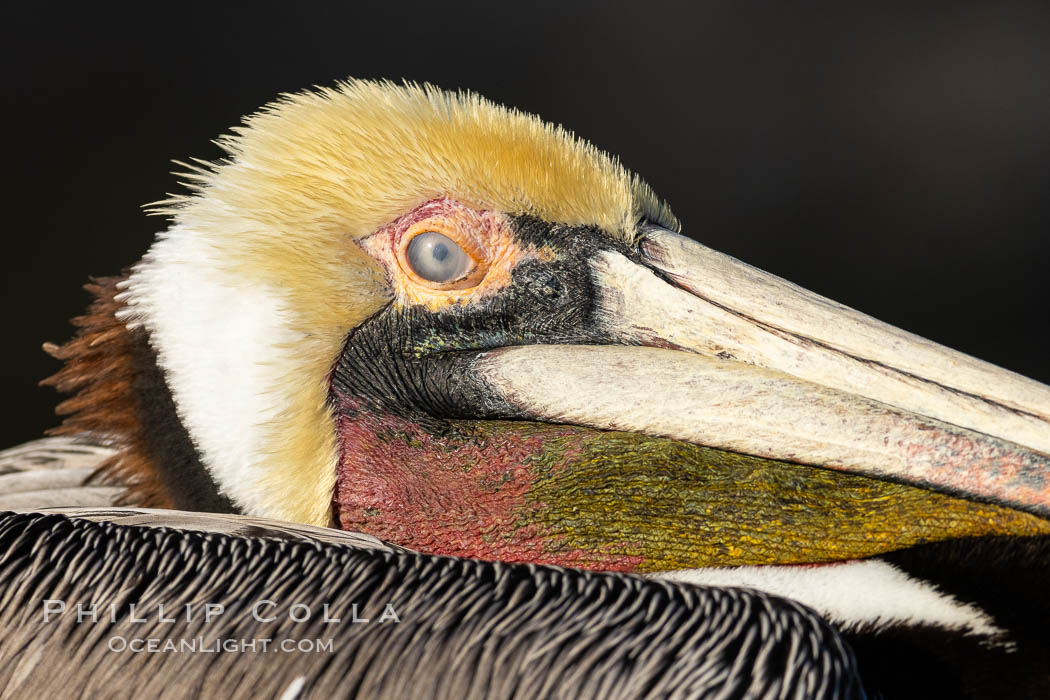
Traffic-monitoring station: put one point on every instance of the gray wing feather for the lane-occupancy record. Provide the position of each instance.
(54, 472)
(221, 523)
(466, 629)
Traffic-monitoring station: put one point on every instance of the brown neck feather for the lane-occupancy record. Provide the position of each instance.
(118, 394)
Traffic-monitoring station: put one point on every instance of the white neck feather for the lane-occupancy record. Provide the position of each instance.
(222, 348)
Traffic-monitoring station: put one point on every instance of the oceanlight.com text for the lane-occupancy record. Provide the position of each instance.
(205, 645)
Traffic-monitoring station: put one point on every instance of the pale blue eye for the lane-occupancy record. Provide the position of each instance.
(437, 258)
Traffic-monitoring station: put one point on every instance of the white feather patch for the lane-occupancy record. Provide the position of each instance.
(853, 594)
(223, 346)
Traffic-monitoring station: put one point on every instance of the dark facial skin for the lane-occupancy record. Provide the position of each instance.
(412, 362)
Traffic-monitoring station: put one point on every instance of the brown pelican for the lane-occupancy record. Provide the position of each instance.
(451, 326)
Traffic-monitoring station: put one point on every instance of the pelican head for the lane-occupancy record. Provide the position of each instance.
(451, 325)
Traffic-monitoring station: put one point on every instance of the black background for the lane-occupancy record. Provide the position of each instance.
(893, 157)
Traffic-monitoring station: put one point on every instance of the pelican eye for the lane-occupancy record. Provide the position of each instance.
(437, 258)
